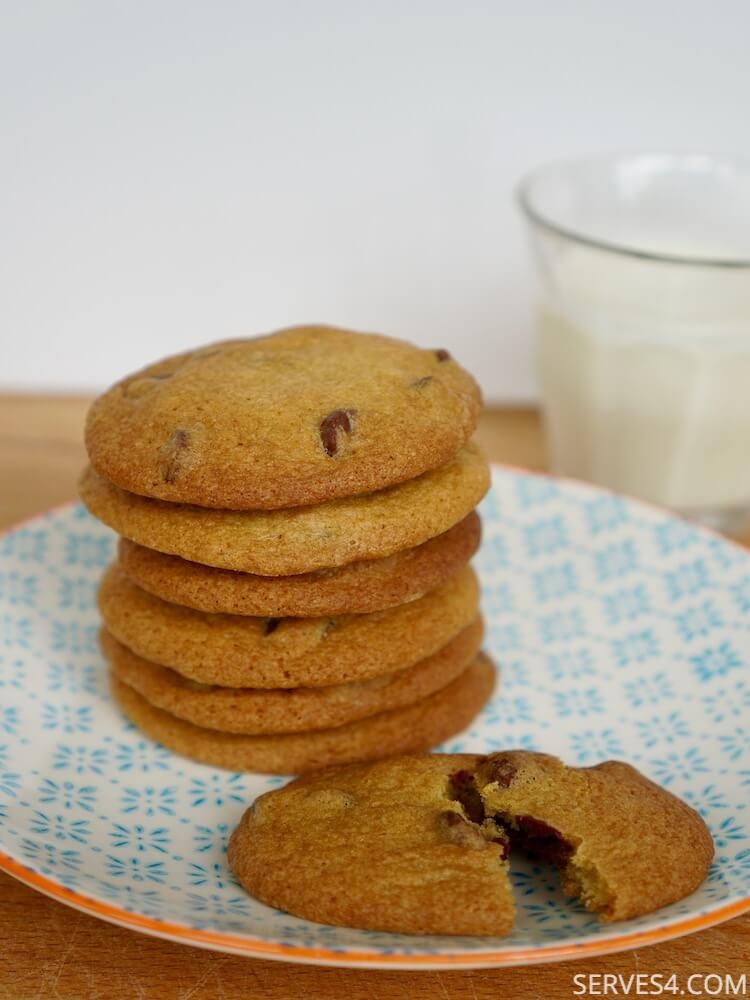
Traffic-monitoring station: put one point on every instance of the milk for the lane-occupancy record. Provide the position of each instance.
(644, 368)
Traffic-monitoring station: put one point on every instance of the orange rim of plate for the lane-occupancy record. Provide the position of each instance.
(258, 948)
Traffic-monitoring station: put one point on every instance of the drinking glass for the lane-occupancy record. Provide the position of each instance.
(643, 343)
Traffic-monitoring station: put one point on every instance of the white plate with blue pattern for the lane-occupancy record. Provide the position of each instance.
(620, 632)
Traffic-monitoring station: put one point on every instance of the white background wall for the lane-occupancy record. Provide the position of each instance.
(174, 171)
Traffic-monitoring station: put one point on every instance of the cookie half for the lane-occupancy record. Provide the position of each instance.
(289, 419)
(249, 710)
(403, 730)
(380, 846)
(624, 846)
(302, 539)
(238, 651)
(358, 588)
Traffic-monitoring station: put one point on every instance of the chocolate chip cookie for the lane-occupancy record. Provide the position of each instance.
(623, 845)
(381, 846)
(238, 651)
(293, 418)
(290, 710)
(301, 539)
(412, 728)
(421, 845)
(359, 588)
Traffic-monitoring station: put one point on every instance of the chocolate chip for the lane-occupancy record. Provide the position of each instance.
(173, 454)
(442, 355)
(502, 771)
(463, 790)
(534, 827)
(541, 840)
(420, 383)
(336, 425)
(271, 625)
(457, 830)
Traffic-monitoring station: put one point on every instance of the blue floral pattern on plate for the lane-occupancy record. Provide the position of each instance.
(618, 631)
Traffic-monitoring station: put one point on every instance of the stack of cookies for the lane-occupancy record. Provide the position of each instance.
(292, 586)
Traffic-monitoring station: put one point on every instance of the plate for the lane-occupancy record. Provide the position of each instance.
(620, 631)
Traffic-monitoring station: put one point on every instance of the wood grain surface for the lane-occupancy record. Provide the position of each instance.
(49, 950)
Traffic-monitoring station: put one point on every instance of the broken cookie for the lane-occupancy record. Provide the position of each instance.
(421, 844)
(623, 845)
(381, 846)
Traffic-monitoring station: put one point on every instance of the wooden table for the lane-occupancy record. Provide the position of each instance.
(48, 950)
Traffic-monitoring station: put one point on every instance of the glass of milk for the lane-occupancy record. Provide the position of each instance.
(644, 326)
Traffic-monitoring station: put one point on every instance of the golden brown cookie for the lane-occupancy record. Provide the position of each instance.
(623, 845)
(403, 730)
(289, 419)
(359, 588)
(381, 846)
(291, 710)
(237, 651)
(420, 845)
(301, 539)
